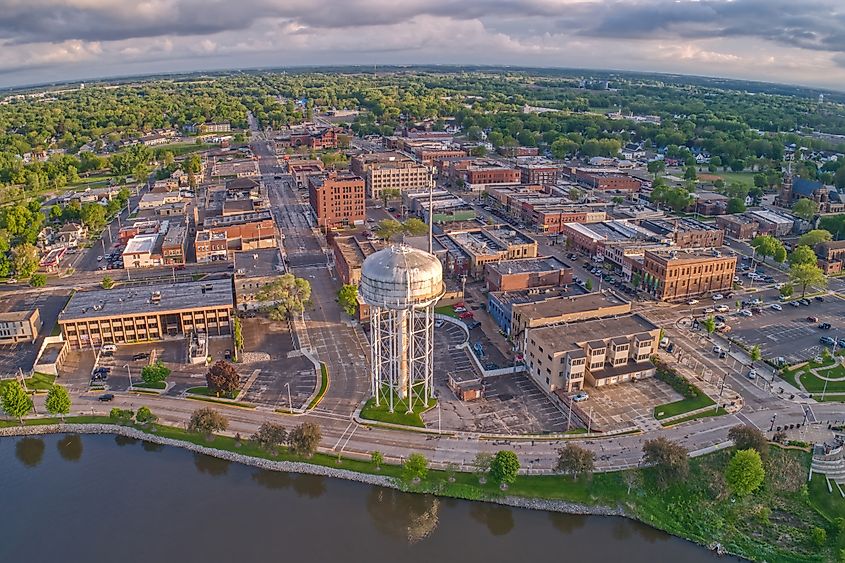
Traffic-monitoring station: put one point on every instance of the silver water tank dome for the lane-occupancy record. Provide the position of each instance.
(401, 277)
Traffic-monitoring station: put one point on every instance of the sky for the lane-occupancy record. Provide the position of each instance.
(785, 41)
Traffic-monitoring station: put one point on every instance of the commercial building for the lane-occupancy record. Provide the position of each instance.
(539, 310)
(425, 150)
(174, 246)
(142, 251)
(685, 232)
(20, 326)
(301, 170)
(241, 168)
(337, 199)
(253, 271)
(603, 179)
(308, 135)
(538, 171)
(545, 207)
(527, 273)
(213, 128)
(740, 226)
(775, 224)
(487, 245)
(153, 312)
(153, 200)
(211, 246)
(670, 275)
(831, 256)
(597, 352)
(390, 171)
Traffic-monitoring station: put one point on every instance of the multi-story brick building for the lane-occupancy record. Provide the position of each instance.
(831, 256)
(536, 173)
(151, 312)
(603, 179)
(685, 232)
(173, 246)
(486, 245)
(390, 171)
(670, 275)
(740, 227)
(337, 199)
(301, 170)
(211, 247)
(599, 352)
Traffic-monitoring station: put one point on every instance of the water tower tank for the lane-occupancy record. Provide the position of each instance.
(401, 277)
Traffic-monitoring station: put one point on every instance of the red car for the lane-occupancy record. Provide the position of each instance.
(466, 315)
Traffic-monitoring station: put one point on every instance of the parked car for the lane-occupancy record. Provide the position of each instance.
(102, 370)
(776, 307)
(717, 349)
(692, 302)
(722, 355)
(825, 326)
(795, 303)
(109, 348)
(709, 310)
(804, 301)
(812, 319)
(819, 298)
(746, 313)
(752, 374)
(106, 398)
(827, 341)
(718, 297)
(140, 356)
(580, 396)
(466, 315)
(438, 323)
(460, 309)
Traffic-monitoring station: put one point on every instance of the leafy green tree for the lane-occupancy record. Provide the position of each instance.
(389, 194)
(805, 208)
(814, 237)
(347, 296)
(746, 436)
(755, 353)
(787, 290)
(481, 464)
(304, 439)
(377, 459)
(735, 205)
(388, 228)
(802, 254)
(58, 401)
(155, 373)
(207, 421)
(222, 378)
(668, 458)
(16, 402)
(93, 216)
(416, 466)
(575, 460)
(107, 282)
(805, 275)
(588, 285)
(709, 324)
(270, 436)
(38, 280)
(504, 467)
(766, 245)
(818, 536)
(656, 167)
(690, 174)
(288, 295)
(563, 148)
(237, 336)
(745, 472)
(414, 227)
(24, 260)
(145, 416)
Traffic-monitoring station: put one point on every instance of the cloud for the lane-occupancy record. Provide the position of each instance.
(60, 39)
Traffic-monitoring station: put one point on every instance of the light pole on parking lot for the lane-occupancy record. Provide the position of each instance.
(129, 374)
(290, 403)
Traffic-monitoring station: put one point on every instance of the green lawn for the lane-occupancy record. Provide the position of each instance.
(684, 405)
(706, 414)
(324, 385)
(156, 385)
(744, 178)
(812, 383)
(448, 310)
(205, 391)
(38, 382)
(184, 148)
(399, 415)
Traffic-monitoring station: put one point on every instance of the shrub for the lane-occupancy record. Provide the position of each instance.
(416, 466)
(304, 439)
(745, 472)
(270, 436)
(207, 421)
(121, 416)
(144, 416)
(818, 536)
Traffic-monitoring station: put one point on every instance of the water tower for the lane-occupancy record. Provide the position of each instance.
(401, 285)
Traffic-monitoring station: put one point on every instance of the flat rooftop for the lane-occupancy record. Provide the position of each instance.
(528, 265)
(129, 301)
(569, 336)
(689, 255)
(259, 263)
(141, 244)
(562, 305)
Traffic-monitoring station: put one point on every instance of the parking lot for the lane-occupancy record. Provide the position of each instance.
(511, 403)
(629, 404)
(788, 333)
(22, 355)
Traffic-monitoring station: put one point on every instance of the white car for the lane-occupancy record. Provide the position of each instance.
(722, 308)
(709, 310)
(438, 323)
(746, 313)
(777, 307)
(752, 374)
(692, 302)
(718, 297)
(580, 396)
(717, 349)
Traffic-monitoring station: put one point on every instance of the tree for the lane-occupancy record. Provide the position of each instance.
(207, 421)
(347, 296)
(755, 354)
(814, 237)
(481, 464)
(588, 285)
(377, 459)
(414, 227)
(416, 466)
(222, 378)
(237, 336)
(656, 167)
(735, 205)
(709, 324)
(787, 290)
(16, 402)
(38, 280)
(819, 536)
(107, 282)
(93, 216)
(145, 416)
(388, 228)
(155, 373)
(389, 194)
(270, 436)
(669, 459)
(575, 460)
(805, 208)
(474, 133)
(802, 254)
(805, 275)
(504, 467)
(288, 295)
(745, 437)
(690, 174)
(780, 254)
(563, 148)
(304, 439)
(745, 472)
(24, 260)
(58, 401)
(766, 245)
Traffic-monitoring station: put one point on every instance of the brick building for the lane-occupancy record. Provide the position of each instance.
(390, 171)
(527, 273)
(337, 199)
(670, 275)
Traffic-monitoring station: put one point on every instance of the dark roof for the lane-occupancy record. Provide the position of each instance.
(805, 187)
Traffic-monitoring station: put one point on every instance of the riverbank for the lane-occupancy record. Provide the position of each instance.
(772, 525)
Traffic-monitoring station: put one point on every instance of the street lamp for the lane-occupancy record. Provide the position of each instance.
(772, 427)
(290, 403)
(128, 373)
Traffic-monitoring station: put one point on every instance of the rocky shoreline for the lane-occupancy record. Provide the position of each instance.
(296, 466)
